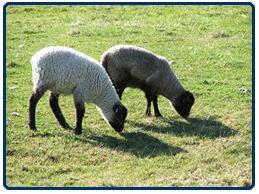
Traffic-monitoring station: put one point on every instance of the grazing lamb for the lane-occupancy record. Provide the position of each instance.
(130, 66)
(63, 70)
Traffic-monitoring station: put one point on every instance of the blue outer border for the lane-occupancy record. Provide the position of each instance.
(4, 96)
(129, 3)
(253, 95)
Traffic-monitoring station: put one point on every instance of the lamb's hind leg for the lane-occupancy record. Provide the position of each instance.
(34, 99)
(156, 109)
(53, 102)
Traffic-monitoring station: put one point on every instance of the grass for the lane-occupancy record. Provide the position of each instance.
(212, 50)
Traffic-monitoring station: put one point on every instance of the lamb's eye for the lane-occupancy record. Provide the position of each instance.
(116, 109)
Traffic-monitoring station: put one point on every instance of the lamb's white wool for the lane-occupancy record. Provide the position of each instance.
(63, 70)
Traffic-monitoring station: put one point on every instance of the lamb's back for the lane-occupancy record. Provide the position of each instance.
(134, 61)
(64, 69)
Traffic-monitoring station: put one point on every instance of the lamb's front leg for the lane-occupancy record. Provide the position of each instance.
(148, 107)
(80, 111)
(119, 90)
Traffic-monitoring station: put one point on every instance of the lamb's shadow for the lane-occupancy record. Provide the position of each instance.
(202, 127)
(140, 144)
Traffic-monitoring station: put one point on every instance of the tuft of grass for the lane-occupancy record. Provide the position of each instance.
(74, 32)
(12, 64)
(211, 47)
(220, 34)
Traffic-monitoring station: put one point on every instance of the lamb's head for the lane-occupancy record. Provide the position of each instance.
(118, 117)
(183, 103)
(115, 116)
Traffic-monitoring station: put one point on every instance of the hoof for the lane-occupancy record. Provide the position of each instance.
(77, 131)
(147, 114)
(32, 127)
(67, 127)
(158, 115)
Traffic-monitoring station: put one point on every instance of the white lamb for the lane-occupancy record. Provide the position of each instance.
(62, 70)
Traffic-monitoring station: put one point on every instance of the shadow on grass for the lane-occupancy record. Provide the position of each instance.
(140, 144)
(206, 128)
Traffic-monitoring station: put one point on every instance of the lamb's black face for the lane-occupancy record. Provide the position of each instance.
(120, 114)
(183, 103)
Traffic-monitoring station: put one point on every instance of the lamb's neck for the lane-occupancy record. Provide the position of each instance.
(107, 100)
(172, 87)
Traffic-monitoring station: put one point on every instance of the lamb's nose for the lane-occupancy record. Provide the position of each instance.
(117, 126)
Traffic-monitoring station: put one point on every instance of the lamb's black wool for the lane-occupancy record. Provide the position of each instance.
(131, 66)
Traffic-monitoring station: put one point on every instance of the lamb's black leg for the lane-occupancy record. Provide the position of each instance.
(119, 91)
(156, 109)
(80, 111)
(148, 107)
(53, 102)
(34, 99)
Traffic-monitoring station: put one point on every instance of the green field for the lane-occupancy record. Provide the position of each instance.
(211, 47)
